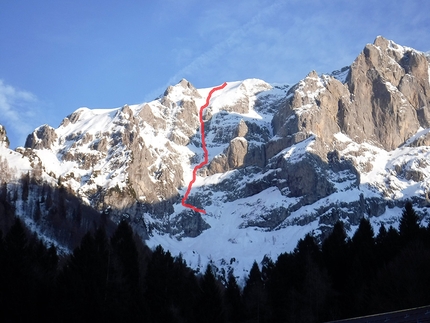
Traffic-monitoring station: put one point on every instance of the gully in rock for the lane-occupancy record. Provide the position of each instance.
(203, 163)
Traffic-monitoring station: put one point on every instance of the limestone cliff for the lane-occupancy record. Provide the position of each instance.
(385, 100)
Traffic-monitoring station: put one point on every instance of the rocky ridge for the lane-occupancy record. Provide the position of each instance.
(283, 159)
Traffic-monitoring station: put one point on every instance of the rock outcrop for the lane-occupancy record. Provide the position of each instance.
(4, 140)
(41, 138)
(385, 100)
(389, 85)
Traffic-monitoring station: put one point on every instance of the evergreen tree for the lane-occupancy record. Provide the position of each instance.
(25, 183)
(16, 279)
(37, 213)
(7, 213)
(403, 282)
(284, 277)
(310, 294)
(313, 299)
(233, 298)
(43, 273)
(61, 202)
(124, 260)
(409, 227)
(184, 291)
(210, 306)
(158, 286)
(48, 200)
(335, 250)
(84, 285)
(363, 238)
(387, 245)
(337, 261)
(382, 235)
(77, 284)
(102, 264)
(171, 289)
(27, 273)
(266, 268)
(254, 295)
(3, 192)
(363, 268)
(308, 248)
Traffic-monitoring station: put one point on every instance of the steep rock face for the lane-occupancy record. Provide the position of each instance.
(385, 100)
(311, 109)
(381, 81)
(41, 138)
(237, 129)
(282, 159)
(306, 178)
(4, 140)
(236, 152)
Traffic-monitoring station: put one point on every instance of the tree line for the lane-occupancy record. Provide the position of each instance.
(114, 277)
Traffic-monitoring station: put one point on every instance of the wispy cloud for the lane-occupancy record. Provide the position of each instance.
(222, 47)
(17, 112)
(216, 51)
(283, 41)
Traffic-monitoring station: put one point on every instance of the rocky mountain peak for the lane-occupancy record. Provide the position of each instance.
(390, 94)
(385, 99)
(4, 140)
(41, 138)
(183, 88)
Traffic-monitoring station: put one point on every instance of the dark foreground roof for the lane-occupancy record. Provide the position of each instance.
(415, 315)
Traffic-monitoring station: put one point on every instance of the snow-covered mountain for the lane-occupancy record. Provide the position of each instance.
(283, 161)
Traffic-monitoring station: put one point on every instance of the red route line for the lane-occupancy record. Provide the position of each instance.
(202, 131)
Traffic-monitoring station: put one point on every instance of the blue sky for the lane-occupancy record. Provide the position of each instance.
(57, 56)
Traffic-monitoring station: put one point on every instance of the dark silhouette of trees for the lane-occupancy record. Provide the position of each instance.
(27, 271)
(335, 256)
(210, 304)
(125, 273)
(15, 280)
(171, 289)
(409, 227)
(364, 267)
(7, 210)
(233, 301)
(82, 284)
(254, 295)
(100, 281)
(312, 291)
(387, 244)
(25, 186)
(114, 277)
(159, 287)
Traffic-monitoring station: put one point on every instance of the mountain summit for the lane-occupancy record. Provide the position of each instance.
(283, 160)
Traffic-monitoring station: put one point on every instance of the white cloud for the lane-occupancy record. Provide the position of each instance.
(17, 112)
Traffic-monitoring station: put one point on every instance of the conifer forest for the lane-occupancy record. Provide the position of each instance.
(111, 276)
